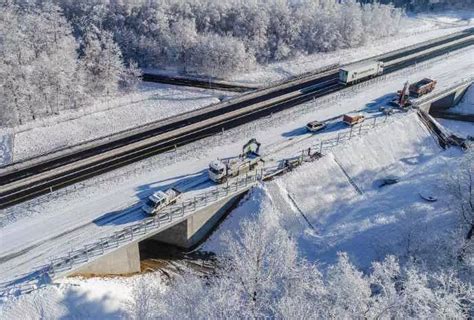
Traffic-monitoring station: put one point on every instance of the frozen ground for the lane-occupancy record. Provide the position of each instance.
(368, 225)
(34, 232)
(465, 106)
(150, 103)
(78, 298)
(417, 28)
(459, 128)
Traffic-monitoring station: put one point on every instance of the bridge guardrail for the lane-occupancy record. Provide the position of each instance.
(132, 232)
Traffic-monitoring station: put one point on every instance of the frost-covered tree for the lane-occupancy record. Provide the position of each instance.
(102, 62)
(218, 56)
(39, 65)
(460, 187)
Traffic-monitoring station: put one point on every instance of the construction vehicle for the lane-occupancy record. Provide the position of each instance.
(221, 170)
(315, 126)
(360, 71)
(402, 100)
(422, 87)
(353, 119)
(160, 199)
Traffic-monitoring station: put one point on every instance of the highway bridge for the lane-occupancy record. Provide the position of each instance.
(114, 246)
(26, 180)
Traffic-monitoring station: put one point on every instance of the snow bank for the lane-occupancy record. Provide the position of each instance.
(76, 298)
(387, 151)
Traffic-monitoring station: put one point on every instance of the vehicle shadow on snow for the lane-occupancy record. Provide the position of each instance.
(183, 183)
(128, 215)
(374, 105)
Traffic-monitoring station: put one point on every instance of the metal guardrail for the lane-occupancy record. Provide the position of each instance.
(133, 233)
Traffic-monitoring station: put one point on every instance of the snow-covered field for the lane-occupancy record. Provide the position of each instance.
(151, 102)
(417, 28)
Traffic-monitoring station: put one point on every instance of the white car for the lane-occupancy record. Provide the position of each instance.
(315, 126)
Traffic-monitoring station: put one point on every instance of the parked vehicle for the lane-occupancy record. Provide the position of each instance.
(221, 170)
(422, 87)
(360, 71)
(353, 119)
(160, 199)
(315, 126)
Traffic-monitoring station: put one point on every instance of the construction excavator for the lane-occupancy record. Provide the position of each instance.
(402, 100)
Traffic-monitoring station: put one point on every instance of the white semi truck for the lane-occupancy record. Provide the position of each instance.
(360, 71)
(160, 199)
(220, 171)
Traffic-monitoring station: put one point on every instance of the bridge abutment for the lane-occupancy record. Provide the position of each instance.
(125, 260)
(192, 231)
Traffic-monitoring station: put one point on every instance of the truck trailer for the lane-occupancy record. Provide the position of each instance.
(360, 71)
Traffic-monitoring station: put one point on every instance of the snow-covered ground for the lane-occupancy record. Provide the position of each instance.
(417, 28)
(460, 128)
(76, 298)
(466, 105)
(34, 232)
(151, 102)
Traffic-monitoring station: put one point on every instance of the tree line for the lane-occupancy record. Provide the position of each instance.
(63, 54)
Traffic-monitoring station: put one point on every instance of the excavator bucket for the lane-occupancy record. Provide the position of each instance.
(251, 146)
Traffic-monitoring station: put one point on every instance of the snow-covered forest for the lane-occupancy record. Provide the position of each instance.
(60, 55)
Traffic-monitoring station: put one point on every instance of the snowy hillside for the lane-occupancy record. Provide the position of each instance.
(367, 226)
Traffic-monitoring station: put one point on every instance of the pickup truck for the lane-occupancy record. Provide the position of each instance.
(160, 199)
